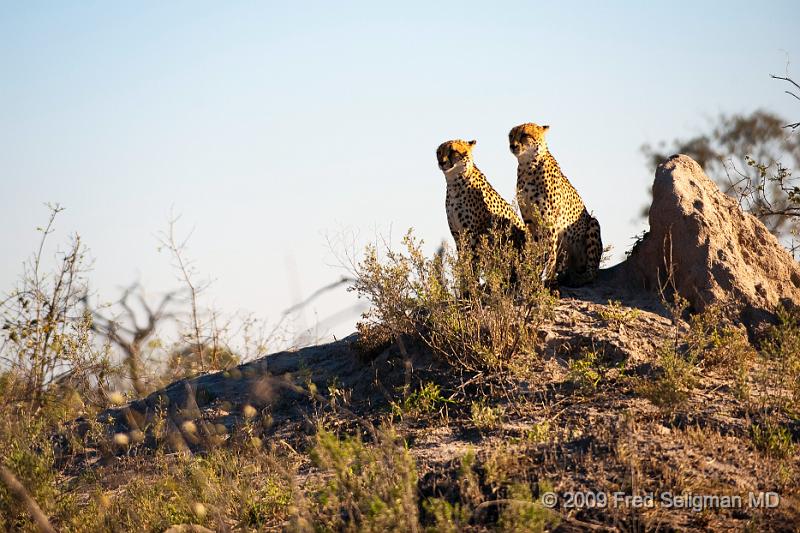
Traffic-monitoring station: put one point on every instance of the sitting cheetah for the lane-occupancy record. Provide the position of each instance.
(553, 210)
(473, 206)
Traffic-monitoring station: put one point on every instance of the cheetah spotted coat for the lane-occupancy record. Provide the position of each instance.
(553, 210)
(473, 205)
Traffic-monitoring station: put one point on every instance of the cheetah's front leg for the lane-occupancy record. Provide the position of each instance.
(552, 257)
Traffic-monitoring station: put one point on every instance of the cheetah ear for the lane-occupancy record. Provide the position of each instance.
(472, 142)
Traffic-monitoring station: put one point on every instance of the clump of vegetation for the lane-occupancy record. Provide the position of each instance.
(245, 486)
(479, 310)
(47, 342)
(497, 486)
(708, 342)
(507, 474)
(485, 416)
(617, 315)
(539, 433)
(28, 454)
(521, 511)
(369, 488)
(716, 343)
(772, 439)
(678, 376)
(447, 517)
(585, 371)
(781, 349)
(773, 392)
(427, 399)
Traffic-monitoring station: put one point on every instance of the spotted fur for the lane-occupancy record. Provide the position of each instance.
(473, 205)
(553, 210)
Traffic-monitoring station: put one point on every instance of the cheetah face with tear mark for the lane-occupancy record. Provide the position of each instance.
(454, 156)
(527, 141)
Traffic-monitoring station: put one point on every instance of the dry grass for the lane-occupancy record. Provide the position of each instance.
(478, 310)
(470, 439)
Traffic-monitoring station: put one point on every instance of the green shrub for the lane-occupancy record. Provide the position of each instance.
(781, 348)
(772, 439)
(679, 375)
(716, 343)
(614, 314)
(485, 416)
(244, 487)
(586, 371)
(479, 310)
(426, 399)
(446, 517)
(26, 450)
(370, 487)
(709, 341)
(521, 512)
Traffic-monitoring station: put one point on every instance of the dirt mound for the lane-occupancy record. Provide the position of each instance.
(581, 421)
(279, 383)
(716, 253)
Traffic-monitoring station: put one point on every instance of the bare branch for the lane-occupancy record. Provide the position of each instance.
(130, 339)
(795, 125)
(177, 249)
(790, 80)
(341, 281)
(21, 493)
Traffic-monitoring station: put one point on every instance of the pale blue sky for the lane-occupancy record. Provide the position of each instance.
(271, 127)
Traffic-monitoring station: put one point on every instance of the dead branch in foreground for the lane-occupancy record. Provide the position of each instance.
(18, 490)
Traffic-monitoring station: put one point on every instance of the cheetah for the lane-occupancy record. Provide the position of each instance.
(553, 210)
(473, 205)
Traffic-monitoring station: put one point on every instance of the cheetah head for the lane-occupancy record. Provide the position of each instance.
(454, 156)
(527, 140)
